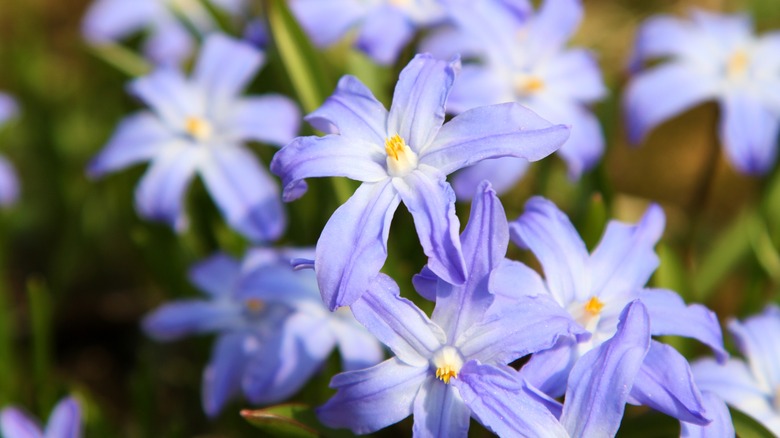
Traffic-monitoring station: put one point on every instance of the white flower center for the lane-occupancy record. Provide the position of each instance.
(528, 84)
(737, 65)
(401, 159)
(198, 128)
(448, 363)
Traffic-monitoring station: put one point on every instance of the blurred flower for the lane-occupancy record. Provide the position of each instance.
(523, 59)
(9, 183)
(385, 26)
(64, 422)
(273, 331)
(596, 289)
(466, 345)
(711, 57)
(198, 125)
(169, 41)
(401, 155)
(752, 387)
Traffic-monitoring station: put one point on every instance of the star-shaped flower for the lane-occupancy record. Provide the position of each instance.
(64, 422)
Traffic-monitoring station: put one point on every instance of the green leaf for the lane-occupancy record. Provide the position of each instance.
(290, 420)
(747, 427)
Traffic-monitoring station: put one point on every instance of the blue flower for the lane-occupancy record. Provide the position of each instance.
(401, 155)
(273, 331)
(169, 41)
(453, 366)
(523, 59)
(385, 26)
(64, 422)
(751, 386)
(9, 182)
(711, 57)
(198, 125)
(596, 289)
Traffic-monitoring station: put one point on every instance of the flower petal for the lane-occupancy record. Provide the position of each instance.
(370, 399)
(721, 425)
(665, 35)
(574, 75)
(216, 275)
(670, 316)
(503, 130)
(549, 234)
(601, 379)
(225, 66)
(503, 174)
(762, 351)
(8, 108)
(15, 423)
(9, 183)
(397, 322)
(362, 225)
(548, 370)
(478, 86)
(178, 319)
(426, 283)
(279, 283)
(169, 42)
(384, 33)
(108, 20)
(65, 420)
(430, 200)
(554, 23)
(170, 95)
(513, 280)
(327, 22)
(417, 111)
(502, 401)
(358, 347)
(272, 119)
(222, 376)
(440, 412)
(749, 132)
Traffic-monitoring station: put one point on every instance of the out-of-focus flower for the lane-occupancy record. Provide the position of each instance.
(169, 41)
(64, 422)
(9, 183)
(595, 289)
(752, 386)
(401, 155)
(273, 331)
(711, 57)
(523, 59)
(198, 125)
(385, 26)
(454, 365)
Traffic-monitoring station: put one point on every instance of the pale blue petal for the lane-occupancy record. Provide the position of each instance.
(729, 31)
(222, 376)
(665, 383)
(9, 183)
(65, 420)
(216, 275)
(327, 21)
(160, 193)
(8, 108)
(440, 412)
(279, 283)
(331, 155)
(625, 259)
(108, 20)
(548, 233)
(398, 323)
(749, 132)
(426, 283)
(447, 41)
(169, 43)
(417, 111)
(670, 316)
(554, 23)
(352, 111)
(721, 425)
(682, 86)
(429, 198)
(665, 35)
(225, 66)
(574, 75)
(384, 33)
(503, 130)
(503, 174)
(601, 380)
(478, 85)
(761, 351)
(138, 138)
(370, 399)
(16, 424)
(548, 370)
(513, 280)
(502, 401)
(361, 227)
(245, 193)
(178, 319)
(169, 94)
(357, 347)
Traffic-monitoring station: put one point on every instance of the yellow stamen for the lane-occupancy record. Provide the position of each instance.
(401, 159)
(255, 305)
(445, 374)
(738, 64)
(394, 146)
(197, 128)
(594, 306)
(528, 84)
(448, 363)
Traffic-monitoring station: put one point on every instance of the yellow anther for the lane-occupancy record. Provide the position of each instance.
(394, 146)
(528, 84)
(445, 374)
(448, 363)
(399, 3)
(594, 306)
(737, 65)
(197, 128)
(255, 305)
(401, 159)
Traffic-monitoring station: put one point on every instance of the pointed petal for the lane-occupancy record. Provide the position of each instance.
(169, 42)
(331, 155)
(357, 346)
(225, 66)
(417, 112)
(665, 383)
(670, 316)
(384, 33)
(222, 376)
(178, 319)
(601, 379)
(549, 234)
(370, 399)
(749, 131)
(216, 275)
(327, 22)
(554, 23)
(65, 420)
(478, 86)
(361, 225)
(9, 183)
(549, 370)
(721, 425)
(664, 35)
(279, 283)
(514, 280)
(502, 173)
(138, 138)
(426, 283)
(502, 402)
(575, 76)
(108, 20)
(16, 424)
(762, 351)
(503, 130)
(272, 119)
(169, 94)
(430, 200)
(397, 322)
(682, 86)
(440, 412)
(353, 111)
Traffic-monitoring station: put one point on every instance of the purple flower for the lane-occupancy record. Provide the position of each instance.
(524, 59)
(454, 365)
(711, 57)
(64, 422)
(751, 386)
(273, 331)
(198, 125)
(401, 155)
(596, 289)
(169, 41)
(385, 26)
(9, 182)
